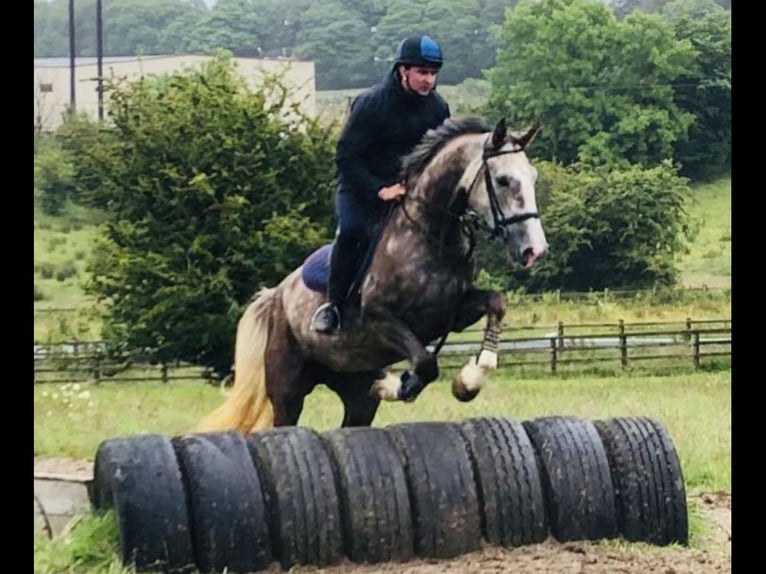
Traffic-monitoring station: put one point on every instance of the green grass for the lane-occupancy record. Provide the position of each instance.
(62, 245)
(708, 262)
(73, 421)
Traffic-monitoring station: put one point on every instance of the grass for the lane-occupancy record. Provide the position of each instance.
(72, 420)
(708, 262)
(62, 246)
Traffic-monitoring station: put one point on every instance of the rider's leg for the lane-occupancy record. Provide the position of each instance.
(347, 253)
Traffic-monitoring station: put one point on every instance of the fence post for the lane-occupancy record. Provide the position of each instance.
(561, 335)
(554, 353)
(688, 335)
(97, 369)
(164, 372)
(696, 349)
(623, 345)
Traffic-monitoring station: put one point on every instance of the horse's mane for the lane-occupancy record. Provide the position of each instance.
(434, 140)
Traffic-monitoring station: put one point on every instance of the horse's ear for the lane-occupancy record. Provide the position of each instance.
(532, 132)
(498, 136)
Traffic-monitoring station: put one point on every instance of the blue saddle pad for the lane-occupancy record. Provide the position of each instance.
(316, 268)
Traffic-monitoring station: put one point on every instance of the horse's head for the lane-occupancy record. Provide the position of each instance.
(469, 169)
(500, 183)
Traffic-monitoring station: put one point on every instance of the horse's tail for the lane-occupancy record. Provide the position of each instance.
(248, 408)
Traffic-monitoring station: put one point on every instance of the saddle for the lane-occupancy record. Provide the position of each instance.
(316, 269)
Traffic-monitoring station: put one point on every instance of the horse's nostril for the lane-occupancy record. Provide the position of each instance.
(527, 254)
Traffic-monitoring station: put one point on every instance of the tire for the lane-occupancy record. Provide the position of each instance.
(140, 479)
(576, 478)
(445, 506)
(374, 501)
(648, 482)
(300, 493)
(226, 506)
(508, 481)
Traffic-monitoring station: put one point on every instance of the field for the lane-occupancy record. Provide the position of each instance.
(70, 421)
(708, 263)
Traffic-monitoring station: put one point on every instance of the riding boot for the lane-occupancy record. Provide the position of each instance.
(344, 262)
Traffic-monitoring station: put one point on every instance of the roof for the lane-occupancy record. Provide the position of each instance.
(63, 62)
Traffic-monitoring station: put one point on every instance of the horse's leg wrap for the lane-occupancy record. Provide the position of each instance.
(477, 303)
(487, 357)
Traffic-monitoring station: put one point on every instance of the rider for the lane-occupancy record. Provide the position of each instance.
(384, 124)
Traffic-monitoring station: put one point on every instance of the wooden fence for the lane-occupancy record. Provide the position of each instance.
(535, 347)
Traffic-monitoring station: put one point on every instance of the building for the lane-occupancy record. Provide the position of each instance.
(52, 80)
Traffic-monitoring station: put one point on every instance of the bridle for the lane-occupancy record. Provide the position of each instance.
(459, 210)
(500, 220)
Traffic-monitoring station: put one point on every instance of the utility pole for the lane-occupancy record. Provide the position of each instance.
(100, 54)
(71, 54)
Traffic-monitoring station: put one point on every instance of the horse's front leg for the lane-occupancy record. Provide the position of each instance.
(396, 336)
(479, 302)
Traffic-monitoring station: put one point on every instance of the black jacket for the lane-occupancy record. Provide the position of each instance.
(384, 124)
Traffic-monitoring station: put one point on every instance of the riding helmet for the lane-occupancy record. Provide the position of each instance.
(419, 51)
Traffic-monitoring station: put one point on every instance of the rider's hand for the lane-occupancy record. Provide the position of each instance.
(391, 192)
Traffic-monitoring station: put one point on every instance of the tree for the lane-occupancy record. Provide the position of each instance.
(704, 90)
(602, 88)
(339, 42)
(214, 193)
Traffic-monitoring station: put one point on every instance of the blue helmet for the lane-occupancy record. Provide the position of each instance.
(419, 51)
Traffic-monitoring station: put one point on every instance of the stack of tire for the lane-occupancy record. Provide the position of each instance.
(238, 503)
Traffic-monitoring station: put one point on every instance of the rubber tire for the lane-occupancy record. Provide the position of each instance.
(648, 481)
(139, 478)
(576, 478)
(374, 501)
(445, 506)
(301, 498)
(226, 507)
(508, 481)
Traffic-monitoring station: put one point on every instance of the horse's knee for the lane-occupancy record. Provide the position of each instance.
(496, 304)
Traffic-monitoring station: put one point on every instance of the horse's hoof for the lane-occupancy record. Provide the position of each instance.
(468, 382)
(464, 395)
(410, 387)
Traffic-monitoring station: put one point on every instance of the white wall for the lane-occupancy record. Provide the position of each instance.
(55, 73)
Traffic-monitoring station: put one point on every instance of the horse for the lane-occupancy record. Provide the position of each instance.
(418, 287)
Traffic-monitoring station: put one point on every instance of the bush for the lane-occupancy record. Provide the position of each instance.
(213, 192)
(607, 228)
(46, 270)
(66, 271)
(39, 295)
(54, 177)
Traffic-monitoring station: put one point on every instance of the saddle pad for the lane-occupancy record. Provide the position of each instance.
(316, 268)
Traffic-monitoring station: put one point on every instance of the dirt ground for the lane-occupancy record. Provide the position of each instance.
(547, 558)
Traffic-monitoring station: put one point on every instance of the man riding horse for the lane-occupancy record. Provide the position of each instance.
(385, 123)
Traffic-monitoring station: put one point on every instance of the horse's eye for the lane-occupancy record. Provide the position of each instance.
(503, 181)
